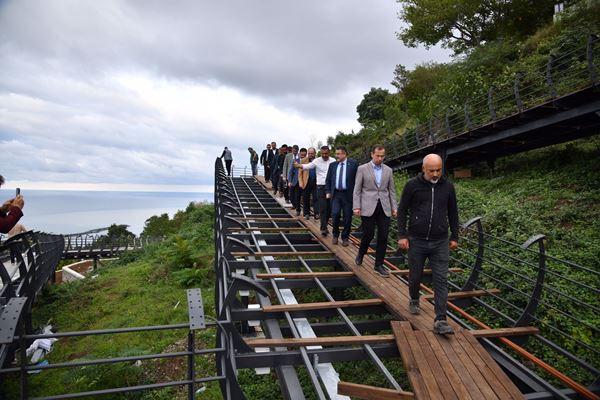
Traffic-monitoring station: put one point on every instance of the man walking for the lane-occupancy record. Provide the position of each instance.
(265, 160)
(228, 160)
(288, 163)
(430, 201)
(339, 186)
(294, 181)
(308, 185)
(321, 165)
(277, 178)
(375, 201)
(273, 161)
(253, 161)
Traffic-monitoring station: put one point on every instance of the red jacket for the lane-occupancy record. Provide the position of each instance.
(7, 221)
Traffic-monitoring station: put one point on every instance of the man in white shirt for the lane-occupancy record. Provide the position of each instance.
(321, 165)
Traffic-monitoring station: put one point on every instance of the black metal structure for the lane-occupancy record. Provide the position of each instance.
(96, 246)
(558, 102)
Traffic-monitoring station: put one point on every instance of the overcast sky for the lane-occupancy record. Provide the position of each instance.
(145, 94)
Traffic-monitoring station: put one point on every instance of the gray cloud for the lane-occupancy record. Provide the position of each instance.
(149, 91)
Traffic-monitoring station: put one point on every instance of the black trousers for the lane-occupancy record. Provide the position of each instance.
(341, 204)
(309, 197)
(275, 178)
(324, 206)
(296, 197)
(267, 169)
(228, 166)
(382, 222)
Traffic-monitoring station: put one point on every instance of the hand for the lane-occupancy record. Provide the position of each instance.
(296, 165)
(453, 245)
(403, 244)
(8, 203)
(19, 201)
(357, 212)
(328, 195)
(394, 213)
(290, 184)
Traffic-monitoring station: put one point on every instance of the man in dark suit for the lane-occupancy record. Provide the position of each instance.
(265, 162)
(340, 188)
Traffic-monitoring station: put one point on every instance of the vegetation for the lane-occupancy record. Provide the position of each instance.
(145, 287)
(432, 89)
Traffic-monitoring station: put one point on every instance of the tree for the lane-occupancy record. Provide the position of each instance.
(371, 110)
(464, 24)
(400, 77)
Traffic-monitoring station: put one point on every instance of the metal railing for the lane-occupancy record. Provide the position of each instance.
(562, 72)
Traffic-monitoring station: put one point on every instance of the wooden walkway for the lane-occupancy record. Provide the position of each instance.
(451, 367)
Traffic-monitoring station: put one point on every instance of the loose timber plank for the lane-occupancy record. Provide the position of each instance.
(465, 294)
(504, 332)
(367, 392)
(323, 305)
(279, 253)
(410, 365)
(433, 362)
(302, 275)
(426, 271)
(320, 341)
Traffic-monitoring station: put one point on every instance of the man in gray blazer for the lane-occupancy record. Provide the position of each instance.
(374, 201)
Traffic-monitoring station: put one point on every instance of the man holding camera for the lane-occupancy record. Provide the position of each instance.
(10, 212)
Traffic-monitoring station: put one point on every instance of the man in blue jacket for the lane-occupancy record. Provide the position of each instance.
(339, 186)
(429, 206)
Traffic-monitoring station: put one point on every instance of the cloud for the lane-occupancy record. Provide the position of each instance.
(148, 92)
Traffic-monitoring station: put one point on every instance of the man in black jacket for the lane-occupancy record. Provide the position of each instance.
(430, 201)
(265, 161)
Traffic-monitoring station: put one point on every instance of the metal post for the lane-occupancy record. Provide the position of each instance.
(191, 365)
(527, 316)
(517, 94)
(467, 117)
(549, 81)
(491, 103)
(23, 363)
(477, 265)
(590, 59)
(448, 127)
(430, 131)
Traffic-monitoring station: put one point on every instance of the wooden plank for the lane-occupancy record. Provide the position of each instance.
(367, 392)
(494, 367)
(430, 382)
(426, 271)
(505, 332)
(476, 374)
(324, 305)
(410, 365)
(268, 229)
(447, 345)
(320, 341)
(490, 378)
(465, 294)
(432, 359)
(447, 366)
(266, 218)
(280, 253)
(302, 275)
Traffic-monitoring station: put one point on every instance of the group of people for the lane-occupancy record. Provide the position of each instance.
(339, 187)
(10, 214)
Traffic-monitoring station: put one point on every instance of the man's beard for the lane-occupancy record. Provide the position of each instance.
(434, 181)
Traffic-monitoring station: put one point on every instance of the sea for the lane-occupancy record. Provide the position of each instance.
(67, 211)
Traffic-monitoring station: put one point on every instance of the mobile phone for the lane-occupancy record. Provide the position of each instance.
(18, 191)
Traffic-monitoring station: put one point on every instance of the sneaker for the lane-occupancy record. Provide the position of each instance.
(307, 217)
(413, 307)
(345, 242)
(383, 271)
(324, 232)
(297, 213)
(317, 217)
(334, 240)
(359, 259)
(441, 327)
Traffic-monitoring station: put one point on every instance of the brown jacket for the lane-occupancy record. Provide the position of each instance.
(303, 173)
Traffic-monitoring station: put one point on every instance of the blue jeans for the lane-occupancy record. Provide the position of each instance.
(341, 203)
(438, 253)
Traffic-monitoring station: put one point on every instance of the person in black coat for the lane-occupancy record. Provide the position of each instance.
(340, 188)
(428, 204)
(265, 162)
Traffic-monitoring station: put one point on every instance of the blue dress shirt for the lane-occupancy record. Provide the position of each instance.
(377, 170)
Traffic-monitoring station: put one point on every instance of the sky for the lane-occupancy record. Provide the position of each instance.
(144, 95)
